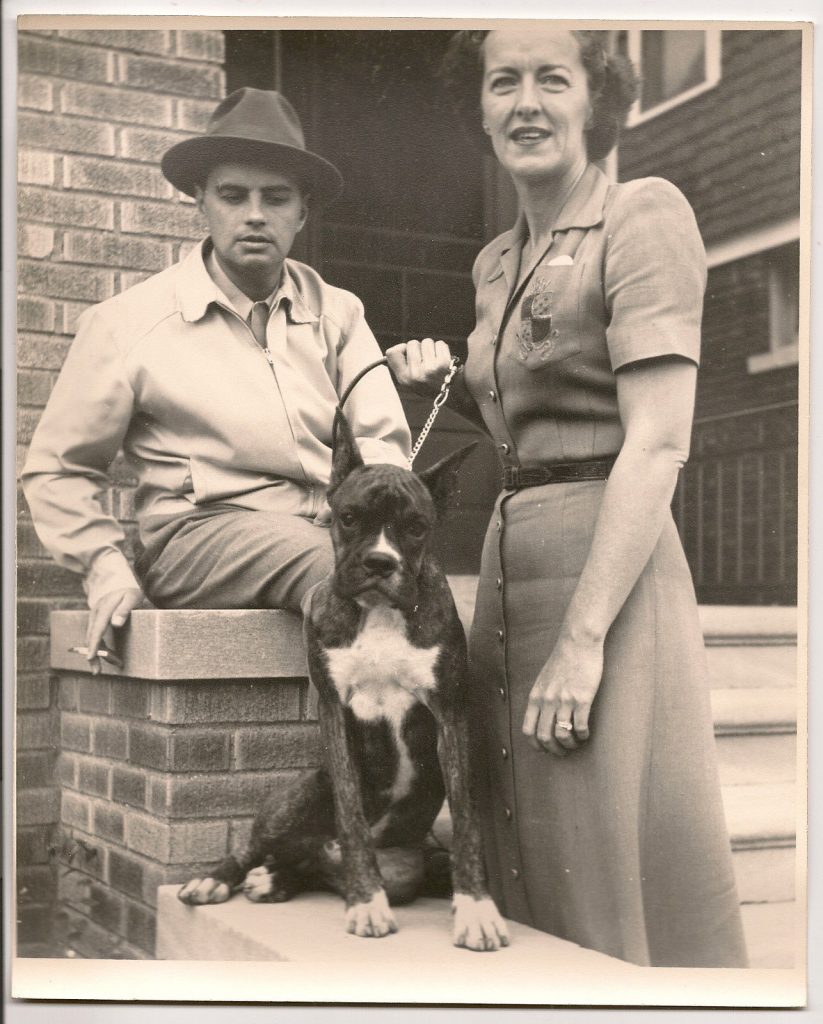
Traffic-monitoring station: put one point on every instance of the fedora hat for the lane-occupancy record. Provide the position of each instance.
(254, 125)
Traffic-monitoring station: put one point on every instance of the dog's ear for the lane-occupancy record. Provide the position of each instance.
(345, 453)
(441, 478)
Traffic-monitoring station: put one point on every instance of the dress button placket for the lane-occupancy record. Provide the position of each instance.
(506, 750)
(506, 741)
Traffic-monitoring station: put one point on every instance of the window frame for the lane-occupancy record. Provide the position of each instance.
(713, 68)
(762, 240)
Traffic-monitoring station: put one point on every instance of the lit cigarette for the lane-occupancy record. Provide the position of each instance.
(104, 653)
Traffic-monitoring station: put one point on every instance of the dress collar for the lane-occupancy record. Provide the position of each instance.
(583, 209)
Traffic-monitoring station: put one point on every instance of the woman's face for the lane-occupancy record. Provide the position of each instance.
(535, 103)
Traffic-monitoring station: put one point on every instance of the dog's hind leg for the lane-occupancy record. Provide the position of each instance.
(214, 888)
(285, 835)
(402, 868)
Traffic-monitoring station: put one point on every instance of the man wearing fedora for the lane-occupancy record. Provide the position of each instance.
(219, 378)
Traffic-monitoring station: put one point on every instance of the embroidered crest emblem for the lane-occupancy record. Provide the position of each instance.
(535, 333)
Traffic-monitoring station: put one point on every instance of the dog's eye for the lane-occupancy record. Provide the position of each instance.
(417, 527)
(348, 519)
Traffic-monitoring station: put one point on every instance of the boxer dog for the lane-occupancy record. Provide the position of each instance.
(387, 654)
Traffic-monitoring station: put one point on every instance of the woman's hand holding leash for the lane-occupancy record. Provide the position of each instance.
(557, 716)
(419, 364)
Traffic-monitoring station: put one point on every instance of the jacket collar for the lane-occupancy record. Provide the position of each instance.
(583, 209)
(197, 290)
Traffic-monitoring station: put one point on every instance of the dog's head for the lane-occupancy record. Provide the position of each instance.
(382, 521)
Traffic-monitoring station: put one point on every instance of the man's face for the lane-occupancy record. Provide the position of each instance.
(253, 215)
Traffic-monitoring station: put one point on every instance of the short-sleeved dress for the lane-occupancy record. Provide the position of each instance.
(622, 846)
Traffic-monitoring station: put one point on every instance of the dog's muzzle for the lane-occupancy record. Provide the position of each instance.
(380, 563)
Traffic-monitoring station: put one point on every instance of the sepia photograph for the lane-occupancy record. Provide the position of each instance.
(411, 502)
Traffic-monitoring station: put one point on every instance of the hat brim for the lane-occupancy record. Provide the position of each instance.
(188, 164)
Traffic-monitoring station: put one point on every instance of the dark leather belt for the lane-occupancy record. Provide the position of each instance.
(515, 477)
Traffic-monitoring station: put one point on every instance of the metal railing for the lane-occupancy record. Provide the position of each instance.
(736, 506)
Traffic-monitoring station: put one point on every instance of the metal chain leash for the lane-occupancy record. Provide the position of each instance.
(439, 400)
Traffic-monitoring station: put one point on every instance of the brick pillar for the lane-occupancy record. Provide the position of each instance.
(162, 767)
(95, 111)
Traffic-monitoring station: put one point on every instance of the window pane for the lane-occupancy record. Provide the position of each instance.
(784, 294)
(672, 62)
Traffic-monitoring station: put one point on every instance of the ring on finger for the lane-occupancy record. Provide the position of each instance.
(565, 726)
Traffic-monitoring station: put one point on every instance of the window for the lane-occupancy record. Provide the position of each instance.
(674, 65)
(783, 274)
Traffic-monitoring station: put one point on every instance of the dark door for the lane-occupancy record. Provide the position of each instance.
(405, 234)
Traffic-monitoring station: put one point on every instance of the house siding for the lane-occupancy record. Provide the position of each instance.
(734, 152)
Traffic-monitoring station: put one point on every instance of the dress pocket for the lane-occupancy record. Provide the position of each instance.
(546, 321)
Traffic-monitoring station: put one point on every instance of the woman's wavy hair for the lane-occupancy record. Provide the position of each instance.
(612, 83)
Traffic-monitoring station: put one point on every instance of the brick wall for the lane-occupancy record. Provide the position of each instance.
(160, 781)
(96, 109)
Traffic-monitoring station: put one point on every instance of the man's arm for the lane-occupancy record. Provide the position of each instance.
(78, 436)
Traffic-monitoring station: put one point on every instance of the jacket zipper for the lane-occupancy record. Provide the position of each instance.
(270, 361)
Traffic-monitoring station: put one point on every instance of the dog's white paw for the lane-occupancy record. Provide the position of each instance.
(477, 923)
(258, 884)
(373, 919)
(198, 891)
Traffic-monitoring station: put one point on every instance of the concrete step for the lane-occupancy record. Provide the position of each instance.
(772, 933)
(755, 759)
(761, 816)
(765, 875)
(310, 929)
(753, 710)
(761, 819)
(752, 667)
(755, 730)
(728, 624)
(464, 589)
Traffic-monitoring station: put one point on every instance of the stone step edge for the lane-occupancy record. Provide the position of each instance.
(750, 622)
(754, 710)
(743, 640)
(310, 928)
(763, 843)
(758, 815)
(755, 729)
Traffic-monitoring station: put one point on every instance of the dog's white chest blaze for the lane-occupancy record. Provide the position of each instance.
(378, 674)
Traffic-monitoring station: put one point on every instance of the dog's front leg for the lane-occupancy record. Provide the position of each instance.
(367, 907)
(477, 921)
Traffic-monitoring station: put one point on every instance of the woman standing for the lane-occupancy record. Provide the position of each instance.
(604, 822)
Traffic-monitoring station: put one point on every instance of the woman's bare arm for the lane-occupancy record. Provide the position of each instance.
(656, 401)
